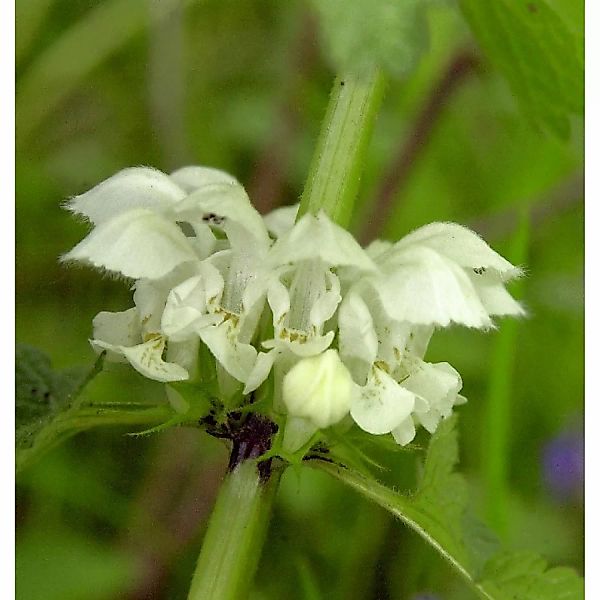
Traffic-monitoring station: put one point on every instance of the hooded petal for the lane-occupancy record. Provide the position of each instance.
(138, 243)
(382, 404)
(132, 188)
(319, 238)
(422, 287)
(193, 177)
(461, 245)
(219, 204)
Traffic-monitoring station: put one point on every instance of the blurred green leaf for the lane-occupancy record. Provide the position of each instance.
(387, 33)
(496, 428)
(29, 18)
(42, 393)
(525, 576)
(538, 52)
(438, 513)
(77, 52)
(47, 411)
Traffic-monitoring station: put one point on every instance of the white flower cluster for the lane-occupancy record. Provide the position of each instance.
(342, 329)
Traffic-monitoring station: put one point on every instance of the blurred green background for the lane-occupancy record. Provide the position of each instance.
(102, 85)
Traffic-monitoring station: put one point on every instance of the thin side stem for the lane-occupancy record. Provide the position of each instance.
(334, 174)
(235, 535)
(400, 168)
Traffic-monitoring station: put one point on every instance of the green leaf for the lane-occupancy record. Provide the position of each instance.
(386, 33)
(42, 393)
(538, 52)
(525, 576)
(437, 511)
(48, 410)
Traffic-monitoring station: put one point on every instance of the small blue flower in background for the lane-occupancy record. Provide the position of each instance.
(562, 463)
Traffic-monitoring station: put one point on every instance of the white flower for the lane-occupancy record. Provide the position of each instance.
(344, 330)
(223, 302)
(440, 274)
(304, 292)
(396, 388)
(136, 214)
(135, 335)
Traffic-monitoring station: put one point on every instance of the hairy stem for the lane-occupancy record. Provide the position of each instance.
(238, 524)
(334, 174)
(235, 535)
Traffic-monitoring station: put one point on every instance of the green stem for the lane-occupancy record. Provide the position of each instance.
(238, 524)
(236, 532)
(83, 418)
(336, 167)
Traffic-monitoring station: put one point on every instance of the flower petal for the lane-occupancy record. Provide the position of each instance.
(281, 220)
(185, 354)
(260, 371)
(137, 243)
(422, 287)
(494, 297)
(378, 248)
(147, 359)
(192, 177)
(405, 432)
(382, 404)
(188, 306)
(135, 187)
(299, 343)
(357, 338)
(118, 328)
(224, 205)
(319, 237)
(460, 245)
(438, 384)
(326, 304)
(235, 357)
